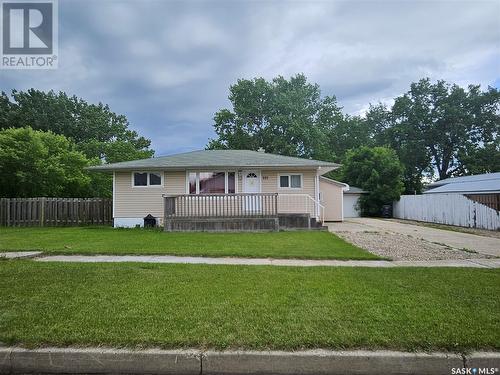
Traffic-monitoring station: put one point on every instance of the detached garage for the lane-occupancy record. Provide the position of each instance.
(339, 199)
(351, 198)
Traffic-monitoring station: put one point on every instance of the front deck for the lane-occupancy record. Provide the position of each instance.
(240, 212)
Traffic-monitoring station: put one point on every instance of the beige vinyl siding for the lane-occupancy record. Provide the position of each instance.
(289, 200)
(331, 198)
(137, 202)
(175, 182)
(270, 182)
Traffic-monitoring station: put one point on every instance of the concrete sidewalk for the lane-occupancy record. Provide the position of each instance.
(475, 263)
(20, 254)
(194, 361)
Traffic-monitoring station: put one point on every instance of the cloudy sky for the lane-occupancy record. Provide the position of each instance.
(167, 65)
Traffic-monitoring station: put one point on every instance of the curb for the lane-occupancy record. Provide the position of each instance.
(95, 360)
(320, 362)
(14, 360)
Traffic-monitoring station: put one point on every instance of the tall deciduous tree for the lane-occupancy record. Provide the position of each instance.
(440, 128)
(348, 133)
(76, 119)
(452, 121)
(100, 134)
(283, 116)
(93, 127)
(36, 163)
(376, 170)
(406, 140)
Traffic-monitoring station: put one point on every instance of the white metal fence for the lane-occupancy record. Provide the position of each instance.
(451, 209)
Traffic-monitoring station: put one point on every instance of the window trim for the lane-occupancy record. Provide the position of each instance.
(226, 180)
(289, 175)
(148, 185)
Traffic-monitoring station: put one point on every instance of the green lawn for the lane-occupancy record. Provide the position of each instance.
(86, 240)
(209, 306)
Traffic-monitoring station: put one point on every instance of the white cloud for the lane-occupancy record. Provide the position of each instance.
(168, 65)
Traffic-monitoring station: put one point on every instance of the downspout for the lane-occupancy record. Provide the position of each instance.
(317, 193)
(345, 188)
(114, 191)
(342, 206)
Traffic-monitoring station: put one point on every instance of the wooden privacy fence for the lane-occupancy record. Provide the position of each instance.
(490, 200)
(26, 212)
(451, 209)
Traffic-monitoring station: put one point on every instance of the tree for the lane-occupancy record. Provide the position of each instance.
(287, 117)
(100, 134)
(93, 127)
(376, 170)
(485, 159)
(5, 110)
(348, 133)
(405, 139)
(440, 127)
(36, 163)
(449, 121)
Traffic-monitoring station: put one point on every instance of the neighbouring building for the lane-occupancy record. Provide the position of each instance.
(482, 188)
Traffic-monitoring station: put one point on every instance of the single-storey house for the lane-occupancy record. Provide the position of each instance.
(219, 189)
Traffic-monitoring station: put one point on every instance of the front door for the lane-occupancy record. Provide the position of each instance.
(251, 184)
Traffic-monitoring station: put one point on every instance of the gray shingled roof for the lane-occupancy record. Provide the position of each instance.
(484, 186)
(473, 178)
(331, 180)
(217, 159)
(350, 189)
(355, 190)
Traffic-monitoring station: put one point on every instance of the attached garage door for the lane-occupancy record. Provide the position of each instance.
(350, 203)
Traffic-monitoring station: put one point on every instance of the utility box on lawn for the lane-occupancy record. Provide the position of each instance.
(149, 221)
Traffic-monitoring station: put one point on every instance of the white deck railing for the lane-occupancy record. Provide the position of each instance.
(241, 205)
(300, 204)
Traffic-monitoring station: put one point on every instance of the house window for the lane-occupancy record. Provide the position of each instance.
(192, 183)
(140, 179)
(293, 181)
(211, 182)
(147, 179)
(155, 179)
(231, 183)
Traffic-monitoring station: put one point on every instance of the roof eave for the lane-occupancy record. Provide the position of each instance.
(463, 192)
(104, 168)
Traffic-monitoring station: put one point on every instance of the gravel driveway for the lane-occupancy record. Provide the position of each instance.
(380, 237)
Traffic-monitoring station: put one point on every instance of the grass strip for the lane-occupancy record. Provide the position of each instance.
(207, 306)
(105, 240)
